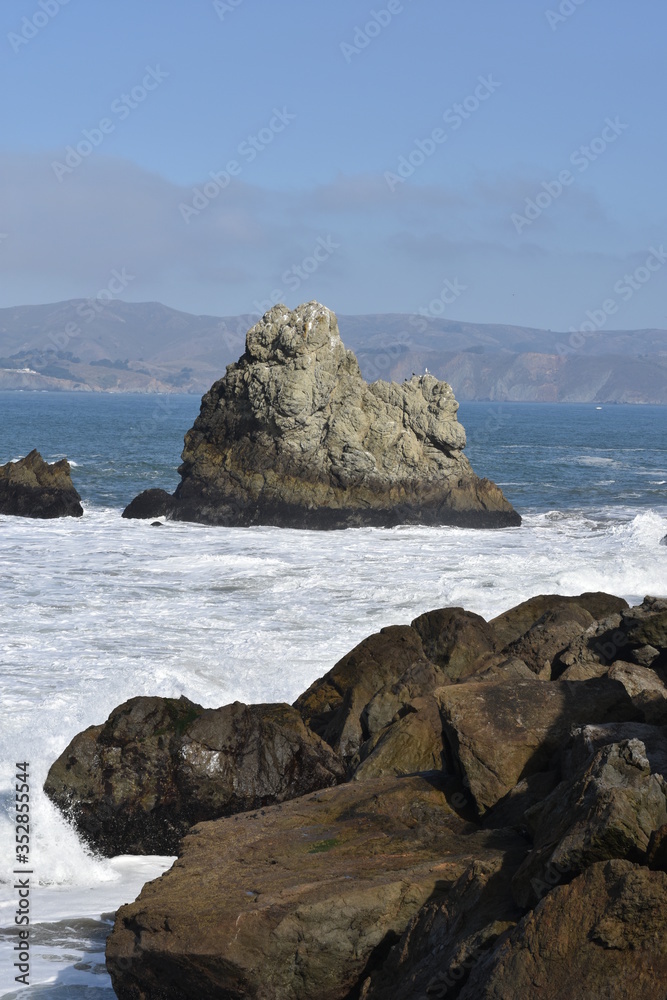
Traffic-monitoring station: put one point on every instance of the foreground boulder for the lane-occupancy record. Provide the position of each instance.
(384, 673)
(299, 899)
(609, 809)
(293, 436)
(136, 784)
(490, 796)
(604, 935)
(499, 732)
(32, 488)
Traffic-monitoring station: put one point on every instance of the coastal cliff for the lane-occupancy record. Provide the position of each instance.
(293, 436)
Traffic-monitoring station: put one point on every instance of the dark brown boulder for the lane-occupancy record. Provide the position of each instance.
(501, 731)
(298, 900)
(603, 935)
(333, 706)
(457, 641)
(446, 937)
(363, 692)
(512, 624)
(409, 744)
(609, 809)
(32, 488)
(136, 784)
(549, 636)
(150, 503)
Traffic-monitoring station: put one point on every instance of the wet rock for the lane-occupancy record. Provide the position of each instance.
(150, 503)
(293, 436)
(296, 901)
(136, 784)
(32, 488)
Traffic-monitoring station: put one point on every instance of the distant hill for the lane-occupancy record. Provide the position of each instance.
(99, 346)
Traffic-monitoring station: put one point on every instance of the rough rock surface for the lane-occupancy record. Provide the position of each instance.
(446, 937)
(607, 810)
(298, 900)
(32, 488)
(483, 783)
(381, 676)
(136, 784)
(499, 732)
(293, 436)
(603, 935)
(512, 624)
(411, 743)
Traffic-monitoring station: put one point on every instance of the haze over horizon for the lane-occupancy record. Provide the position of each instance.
(481, 164)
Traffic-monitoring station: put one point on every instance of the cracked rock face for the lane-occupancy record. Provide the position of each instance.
(293, 436)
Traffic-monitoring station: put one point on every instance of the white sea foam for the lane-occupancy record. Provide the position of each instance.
(99, 609)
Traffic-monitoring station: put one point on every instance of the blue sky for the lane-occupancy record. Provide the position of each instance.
(365, 154)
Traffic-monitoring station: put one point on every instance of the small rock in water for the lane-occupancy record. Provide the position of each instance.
(156, 524)
(663, 540)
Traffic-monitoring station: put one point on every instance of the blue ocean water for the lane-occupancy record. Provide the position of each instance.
(545, 456)
(98, 609)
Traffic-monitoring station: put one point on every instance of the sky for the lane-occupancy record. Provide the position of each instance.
(482, 161)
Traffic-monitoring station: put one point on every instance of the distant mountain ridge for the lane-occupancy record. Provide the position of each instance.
(95, 345)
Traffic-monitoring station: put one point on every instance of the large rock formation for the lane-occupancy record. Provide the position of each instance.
(32, 488)
(293, 436)
(503, 834)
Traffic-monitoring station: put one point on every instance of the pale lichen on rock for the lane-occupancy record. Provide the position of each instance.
(293, 436)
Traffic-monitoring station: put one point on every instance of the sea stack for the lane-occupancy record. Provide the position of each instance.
(31, 487)
(293, 436)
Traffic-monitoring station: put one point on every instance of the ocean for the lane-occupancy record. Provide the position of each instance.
(96, 610)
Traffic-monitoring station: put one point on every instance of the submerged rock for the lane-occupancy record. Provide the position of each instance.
(33, 488)
(293, 436)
